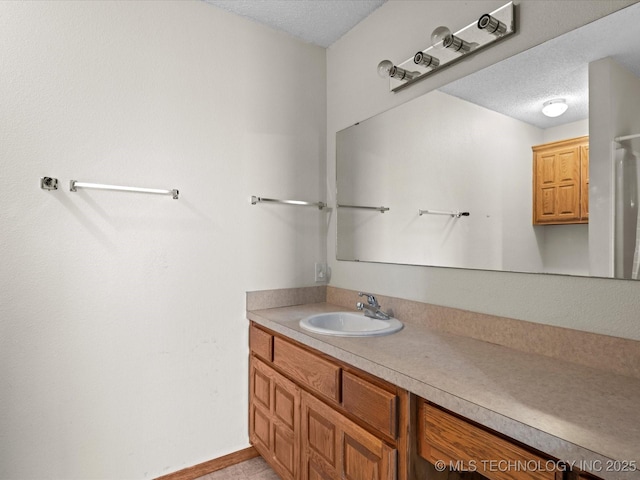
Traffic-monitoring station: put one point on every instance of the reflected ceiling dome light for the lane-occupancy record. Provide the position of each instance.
(491, 24)
(386, 68)
(425, 60)
(555, 107)
(443, 38)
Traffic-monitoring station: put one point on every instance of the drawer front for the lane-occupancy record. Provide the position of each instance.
(444, 437)
(370, 403)
(307, 369)
(261, 343)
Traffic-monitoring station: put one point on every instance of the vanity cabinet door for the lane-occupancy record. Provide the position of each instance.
(560, 182)
(274, 418)
(335, 448)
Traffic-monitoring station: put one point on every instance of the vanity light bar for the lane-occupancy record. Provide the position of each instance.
(448, 48)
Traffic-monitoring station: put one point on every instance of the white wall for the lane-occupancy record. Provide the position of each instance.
(565, 248)
(615, 111)
(464, 157)
(355, 92)
(122, 327)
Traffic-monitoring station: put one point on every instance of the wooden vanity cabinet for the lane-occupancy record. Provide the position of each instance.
(561, 182)
(446, 439)
(312, 417)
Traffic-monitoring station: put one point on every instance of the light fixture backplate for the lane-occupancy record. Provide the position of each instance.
(479, 38)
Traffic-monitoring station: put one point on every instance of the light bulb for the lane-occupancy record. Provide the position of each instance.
(555, 107)
(439, 37)
(385, 68)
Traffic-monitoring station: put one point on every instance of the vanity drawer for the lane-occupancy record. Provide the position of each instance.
(307, 369)
(370, 403)
(261, 343)
(444, 437)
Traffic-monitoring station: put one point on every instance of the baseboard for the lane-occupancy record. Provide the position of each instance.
(210, 466)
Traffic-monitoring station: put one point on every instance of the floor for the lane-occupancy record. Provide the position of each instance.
(254, 469)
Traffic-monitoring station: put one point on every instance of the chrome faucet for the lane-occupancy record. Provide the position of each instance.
(372, 307)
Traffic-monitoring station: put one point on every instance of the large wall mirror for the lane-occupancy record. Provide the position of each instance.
(468, 148)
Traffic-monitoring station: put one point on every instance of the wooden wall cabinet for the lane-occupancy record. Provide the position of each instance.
(561, 182)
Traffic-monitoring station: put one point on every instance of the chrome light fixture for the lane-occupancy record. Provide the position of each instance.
(554, 108)
(443, 38)
(386, 68)
(491, 25)
(448, 47)
(425, 60)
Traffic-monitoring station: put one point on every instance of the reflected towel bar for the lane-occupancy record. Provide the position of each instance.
(440, 212)
(627, 137)
(255, 200)
(362, 207)
(74, 185)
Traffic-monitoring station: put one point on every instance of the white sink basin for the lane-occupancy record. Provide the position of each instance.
(347, 324)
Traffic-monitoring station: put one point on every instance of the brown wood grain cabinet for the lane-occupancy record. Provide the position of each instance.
(333, 447)
(449, 440)
(313, 417)
(561, 182)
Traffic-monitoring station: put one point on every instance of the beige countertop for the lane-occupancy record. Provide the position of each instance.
(578, 414)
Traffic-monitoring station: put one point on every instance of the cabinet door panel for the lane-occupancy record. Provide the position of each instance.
(547, 169)
(261, 388)
(260, 426)
(359, 462)
(568, 166)
(568, 201)
(274, 418)
(335, 447)
(321, 437)
(284, 405)
(284, 448)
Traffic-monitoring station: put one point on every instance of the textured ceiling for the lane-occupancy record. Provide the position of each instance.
(320, 22)
(518, 86)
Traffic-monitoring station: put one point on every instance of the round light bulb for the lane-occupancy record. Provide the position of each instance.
(555, 107)
(384, 68)
(439, 37)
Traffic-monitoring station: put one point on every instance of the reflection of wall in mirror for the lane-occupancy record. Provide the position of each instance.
(460, 157)
(614, 110)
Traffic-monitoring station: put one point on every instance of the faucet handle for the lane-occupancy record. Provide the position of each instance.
(370, 299)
